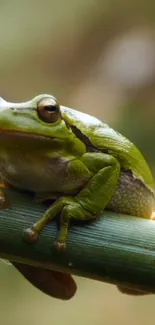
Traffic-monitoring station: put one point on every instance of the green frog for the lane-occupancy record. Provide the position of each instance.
(60, 153)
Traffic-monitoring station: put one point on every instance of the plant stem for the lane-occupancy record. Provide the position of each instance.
(114, 248)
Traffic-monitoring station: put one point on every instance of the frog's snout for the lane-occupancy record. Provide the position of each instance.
(3, 104)
(2, 101)
(13, 109)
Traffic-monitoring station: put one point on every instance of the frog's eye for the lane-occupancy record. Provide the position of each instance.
(48, 110)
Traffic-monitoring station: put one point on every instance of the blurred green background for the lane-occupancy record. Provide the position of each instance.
(98, 57)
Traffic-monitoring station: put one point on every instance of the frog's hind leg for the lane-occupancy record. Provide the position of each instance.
(90, 201)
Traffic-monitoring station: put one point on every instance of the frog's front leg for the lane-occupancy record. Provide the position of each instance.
(89, 202)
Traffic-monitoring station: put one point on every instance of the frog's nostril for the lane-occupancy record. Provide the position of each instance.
(13, 109)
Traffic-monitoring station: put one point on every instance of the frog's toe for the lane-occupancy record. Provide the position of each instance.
(60, 245)
(30, 235)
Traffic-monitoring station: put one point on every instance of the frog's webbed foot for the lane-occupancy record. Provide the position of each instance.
(30, 235)
(60, 245)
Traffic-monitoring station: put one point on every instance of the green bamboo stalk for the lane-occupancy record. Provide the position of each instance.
(114, 248)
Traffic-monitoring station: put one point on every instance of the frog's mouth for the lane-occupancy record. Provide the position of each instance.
(25, 135)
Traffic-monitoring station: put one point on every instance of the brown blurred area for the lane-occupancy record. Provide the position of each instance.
(98, 57)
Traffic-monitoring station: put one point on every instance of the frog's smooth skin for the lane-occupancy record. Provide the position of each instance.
(58, 152)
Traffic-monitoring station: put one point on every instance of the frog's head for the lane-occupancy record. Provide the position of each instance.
(40, 117)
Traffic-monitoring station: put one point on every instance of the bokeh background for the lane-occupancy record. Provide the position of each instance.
(98, 57)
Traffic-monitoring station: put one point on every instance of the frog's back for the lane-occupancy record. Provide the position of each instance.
(104, 138)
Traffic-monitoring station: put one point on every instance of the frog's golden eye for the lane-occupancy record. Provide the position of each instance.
(48, 110)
